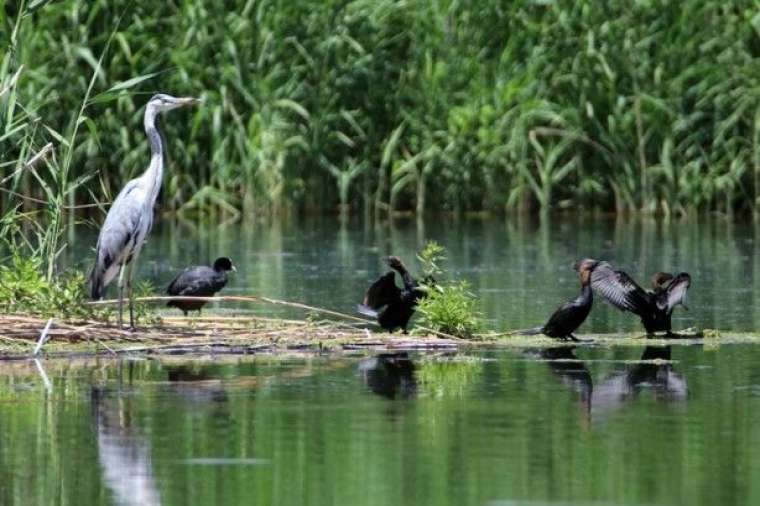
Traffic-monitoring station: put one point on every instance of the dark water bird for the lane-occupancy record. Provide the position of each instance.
(572, 314)
(199, 281)
(130, 217)
(391, 305)
(389, 375)
(654, 306)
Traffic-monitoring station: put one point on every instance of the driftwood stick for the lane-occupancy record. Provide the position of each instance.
(236, 298)
(43, 337)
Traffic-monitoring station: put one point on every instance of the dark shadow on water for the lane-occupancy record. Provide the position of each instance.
(389, 375)
(196, 386)
(655, 374)
(574, 374)
(659, 378)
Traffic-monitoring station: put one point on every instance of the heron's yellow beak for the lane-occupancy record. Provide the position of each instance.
(188, 101)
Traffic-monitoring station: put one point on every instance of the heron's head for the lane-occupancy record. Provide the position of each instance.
(223, 264)
(162, 102)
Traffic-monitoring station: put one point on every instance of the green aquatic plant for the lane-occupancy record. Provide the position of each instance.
(448, 307)
(26, 289)
(431, 257)
(452, 309)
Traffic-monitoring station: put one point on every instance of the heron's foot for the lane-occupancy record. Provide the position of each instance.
(574, 339)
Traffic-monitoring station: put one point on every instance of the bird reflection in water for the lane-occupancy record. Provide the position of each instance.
(654, 373)
(389, 375)
(195, 385)
(574, 374)
(124, 455)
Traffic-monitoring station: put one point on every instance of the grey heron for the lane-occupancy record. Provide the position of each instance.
(130, 217)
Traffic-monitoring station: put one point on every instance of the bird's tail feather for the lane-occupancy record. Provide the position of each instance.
(366, 310)
(527, 332)
(96, 284)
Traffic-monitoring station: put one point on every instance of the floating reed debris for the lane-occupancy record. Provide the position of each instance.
(25, 335)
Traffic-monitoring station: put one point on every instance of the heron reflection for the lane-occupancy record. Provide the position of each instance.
(124, 455)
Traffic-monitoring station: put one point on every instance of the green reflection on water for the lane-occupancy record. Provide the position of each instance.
(493, 428)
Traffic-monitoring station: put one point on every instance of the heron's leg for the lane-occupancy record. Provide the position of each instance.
(132, 265)
(129, 294)
(121, 295)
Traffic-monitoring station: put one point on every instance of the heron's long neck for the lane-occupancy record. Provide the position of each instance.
(155, 172)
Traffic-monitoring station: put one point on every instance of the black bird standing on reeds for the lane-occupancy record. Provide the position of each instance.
(573, 313)
(654, 307)
(199, 281)
(391, 305)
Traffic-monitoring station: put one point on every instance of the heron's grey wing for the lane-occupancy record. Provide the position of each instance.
(675, 293)
(619, 289)
(118, 236)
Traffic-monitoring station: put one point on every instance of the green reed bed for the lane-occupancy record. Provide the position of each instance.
(383, 106)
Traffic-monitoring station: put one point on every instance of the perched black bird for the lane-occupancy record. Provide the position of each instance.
(654, 307)
(572, 314)
(391, 305)
(199, 281)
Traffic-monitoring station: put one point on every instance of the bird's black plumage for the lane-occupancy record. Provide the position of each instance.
(571, 314)
(391, 305)
(199, 281)
(654, 306)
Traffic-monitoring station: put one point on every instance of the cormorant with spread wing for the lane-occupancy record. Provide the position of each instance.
(391, 305)
(654, 307)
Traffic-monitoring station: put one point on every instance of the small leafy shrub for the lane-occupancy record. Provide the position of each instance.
(25, 289)
(449, 307)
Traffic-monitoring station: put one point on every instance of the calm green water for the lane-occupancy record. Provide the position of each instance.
(492, 428)
(497, 428)
(520, 270)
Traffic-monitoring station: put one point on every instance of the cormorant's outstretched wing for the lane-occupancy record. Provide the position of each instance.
(382, 292)
(619, 289)
(674, 293)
